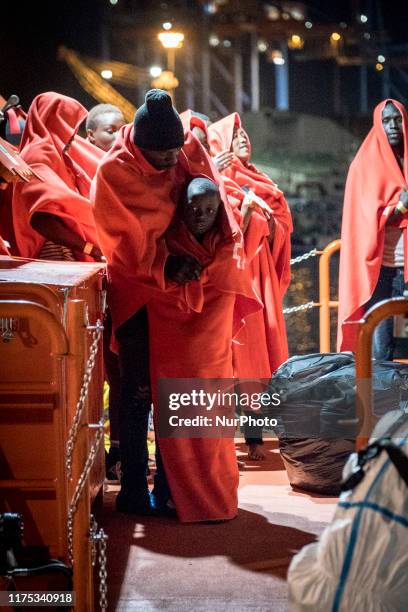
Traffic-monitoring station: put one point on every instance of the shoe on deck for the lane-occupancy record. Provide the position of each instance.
(133, 504)
(161, 507)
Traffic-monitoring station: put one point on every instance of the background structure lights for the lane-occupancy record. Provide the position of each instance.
(297, 14)
(171, 40)
(363, 18)
(213, 40)
(155, 71)
(296, 42)
(367, 35)
(379, 67)
(276, 57)
(262, 46)
(381, 59)
(113, 2)
(227, 43)
(308, 25)
(106, 74)
(272, 12)
(335, 37)
(167, 25)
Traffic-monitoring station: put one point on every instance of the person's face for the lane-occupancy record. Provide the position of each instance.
(105, 134)
(202, 136)
(240, 144)
(162, 159)
(392, 124)
(200, 212)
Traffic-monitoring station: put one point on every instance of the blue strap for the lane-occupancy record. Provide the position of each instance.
(376, 508)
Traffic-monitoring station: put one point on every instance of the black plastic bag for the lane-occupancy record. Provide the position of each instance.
(317, 423)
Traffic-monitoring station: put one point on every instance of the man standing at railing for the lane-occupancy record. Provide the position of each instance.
(373, 259)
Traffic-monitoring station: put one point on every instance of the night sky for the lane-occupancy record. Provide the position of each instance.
(32, 31)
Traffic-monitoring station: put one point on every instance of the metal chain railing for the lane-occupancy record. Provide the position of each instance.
(300, 308)
(312, 253)
(80, 487)
(83, 394)
(103, 573)
(308, 305)
(99, 539)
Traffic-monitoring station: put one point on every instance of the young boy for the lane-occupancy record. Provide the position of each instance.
(102, 125)
(191, 329)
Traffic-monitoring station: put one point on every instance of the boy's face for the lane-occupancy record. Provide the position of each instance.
(104, 135)
(200, 212)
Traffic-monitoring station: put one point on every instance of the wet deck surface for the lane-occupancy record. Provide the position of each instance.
(157, 564)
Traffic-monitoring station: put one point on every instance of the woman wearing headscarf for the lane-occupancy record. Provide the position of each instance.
(261, 346)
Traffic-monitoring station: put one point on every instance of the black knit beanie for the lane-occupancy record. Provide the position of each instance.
(157, 124)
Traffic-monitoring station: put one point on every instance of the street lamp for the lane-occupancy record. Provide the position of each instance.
(171, 41)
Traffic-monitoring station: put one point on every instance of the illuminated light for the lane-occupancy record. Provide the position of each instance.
(272, 12)
(335, 37)
(381, 59)
(285, 16)
(262, 46)
(275, 56)
(297, 14)
(171, 40)
(367, 35)
(308, 25)
(155, 71)
(113, 2)
(213, 40)
(106, 74)
(343, 25)
(227, 43)
(363, 18)
(296, 42)
(210, 8)
(379, 67)
(167, 25)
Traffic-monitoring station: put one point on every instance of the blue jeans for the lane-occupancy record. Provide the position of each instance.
(390, 284)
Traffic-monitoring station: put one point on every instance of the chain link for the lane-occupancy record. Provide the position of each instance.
(303, 257)
(80, 487)
(99, 539)
(103, 572)
(93, 530)
(300, 308)
(83, 394)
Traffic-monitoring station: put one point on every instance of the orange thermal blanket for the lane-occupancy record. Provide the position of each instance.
(373, 187)
(52, 122)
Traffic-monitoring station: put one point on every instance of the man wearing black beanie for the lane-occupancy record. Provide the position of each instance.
(135, 194)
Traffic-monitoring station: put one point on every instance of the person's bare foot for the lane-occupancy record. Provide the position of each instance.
(255, 452)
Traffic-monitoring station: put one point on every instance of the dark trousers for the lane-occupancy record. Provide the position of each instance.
(133, 340)
(252, 433)
(112, 375)
(390, 284)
